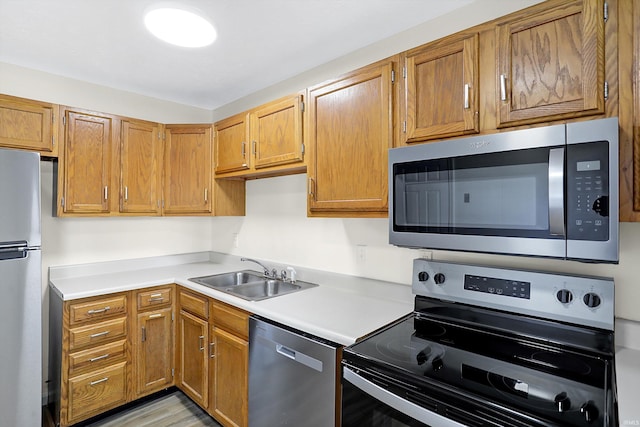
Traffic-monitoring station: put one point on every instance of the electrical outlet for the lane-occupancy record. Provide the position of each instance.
(425, 254)
(236, 240)
(361, 253)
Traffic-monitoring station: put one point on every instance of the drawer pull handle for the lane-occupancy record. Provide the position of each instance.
(155, 296)
(156, 299)
(201, 342)
(95, 359)
(99, 381)
(155, 316)
(144, 334)
(212, 353)
(99, 311)
(99, 334)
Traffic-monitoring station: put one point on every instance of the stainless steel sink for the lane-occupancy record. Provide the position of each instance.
(226, 280)
(251, 285)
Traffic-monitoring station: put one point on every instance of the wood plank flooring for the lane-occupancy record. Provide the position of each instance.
(171, 410)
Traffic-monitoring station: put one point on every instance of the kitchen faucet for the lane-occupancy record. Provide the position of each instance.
(267, 273)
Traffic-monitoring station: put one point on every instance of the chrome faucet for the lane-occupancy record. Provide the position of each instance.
(267, 273)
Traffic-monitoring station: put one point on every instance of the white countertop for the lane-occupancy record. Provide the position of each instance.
(342, 308)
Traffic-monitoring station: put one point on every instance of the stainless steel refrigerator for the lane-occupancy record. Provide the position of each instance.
(20, 290)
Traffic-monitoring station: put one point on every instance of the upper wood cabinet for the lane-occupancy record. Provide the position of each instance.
(86, 175)
(231, 136)
(349, 129)
(551, 63)
(629, 110)
(28, 125)
(141, 167)
(188, 170)
(276, 133)
(264, 141)
(440, 90)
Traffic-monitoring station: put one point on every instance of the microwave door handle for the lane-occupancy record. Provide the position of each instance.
(556, 191)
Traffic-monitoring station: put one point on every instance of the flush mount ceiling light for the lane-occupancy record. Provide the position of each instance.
(180, 27)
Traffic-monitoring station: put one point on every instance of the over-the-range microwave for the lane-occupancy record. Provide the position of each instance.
(547, 191)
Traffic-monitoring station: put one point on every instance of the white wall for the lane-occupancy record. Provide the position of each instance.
(276, 228)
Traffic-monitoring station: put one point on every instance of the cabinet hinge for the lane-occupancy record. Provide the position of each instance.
(404, 72)
(302, 148)
(53, 140)
(404, 126)
(606, 11)
(62, 202)
(606, 90)
(302, 106)
(64, 120)
(173, 372)
(393, 76)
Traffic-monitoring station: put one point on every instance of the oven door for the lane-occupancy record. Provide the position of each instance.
(365, 403)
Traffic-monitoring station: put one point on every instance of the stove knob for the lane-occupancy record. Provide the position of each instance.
(437, 364)
(589, 412)
(592, 300)
(423, 276)
(421, 358)
(564, 296)
(563, 403)
(439, 278)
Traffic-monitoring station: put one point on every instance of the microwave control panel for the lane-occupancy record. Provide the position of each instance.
(588, 191)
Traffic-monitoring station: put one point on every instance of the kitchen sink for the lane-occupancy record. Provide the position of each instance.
(226, 280)
(251, 285)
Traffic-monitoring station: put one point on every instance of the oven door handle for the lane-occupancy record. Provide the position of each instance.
(416, 412)
(556, 192)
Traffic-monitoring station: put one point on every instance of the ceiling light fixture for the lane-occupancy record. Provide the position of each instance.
(180, 27)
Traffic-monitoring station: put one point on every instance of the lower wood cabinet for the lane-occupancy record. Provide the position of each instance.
(193, 365)
(109, 350)
(90, 360)
(229, 364)
(97, 391)
(154, 349)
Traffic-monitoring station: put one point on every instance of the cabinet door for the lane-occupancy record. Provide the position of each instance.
(441, 89)
(350, 129)
(141, 156)
(230, 379)
(188, 179)
(276, 133)
(28, 125)
(551, 64)
(193, 357)
(155, 351)
(87, 162)
(231, 144)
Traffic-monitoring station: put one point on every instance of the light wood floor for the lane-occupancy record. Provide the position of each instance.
(171, 410)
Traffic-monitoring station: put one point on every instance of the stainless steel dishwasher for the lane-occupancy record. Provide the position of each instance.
(292, 377)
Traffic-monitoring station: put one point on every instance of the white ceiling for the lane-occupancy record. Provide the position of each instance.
(260, 42)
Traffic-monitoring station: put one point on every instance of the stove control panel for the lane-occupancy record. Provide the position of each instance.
(575, 299)
(491, 285)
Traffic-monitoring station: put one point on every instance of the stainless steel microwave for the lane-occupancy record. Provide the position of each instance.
(549, 191)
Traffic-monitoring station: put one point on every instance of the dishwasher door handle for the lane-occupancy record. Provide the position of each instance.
(301, 358)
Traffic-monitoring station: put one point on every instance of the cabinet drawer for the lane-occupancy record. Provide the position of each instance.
(231, 319)
(97, 357)
(97, 333)
(154, 298)
(97, 391)
(97, 309)
(194, 304)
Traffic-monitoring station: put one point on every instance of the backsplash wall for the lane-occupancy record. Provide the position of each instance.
(277, 229)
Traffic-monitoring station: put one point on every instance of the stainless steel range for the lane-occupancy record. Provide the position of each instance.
(488, 346)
